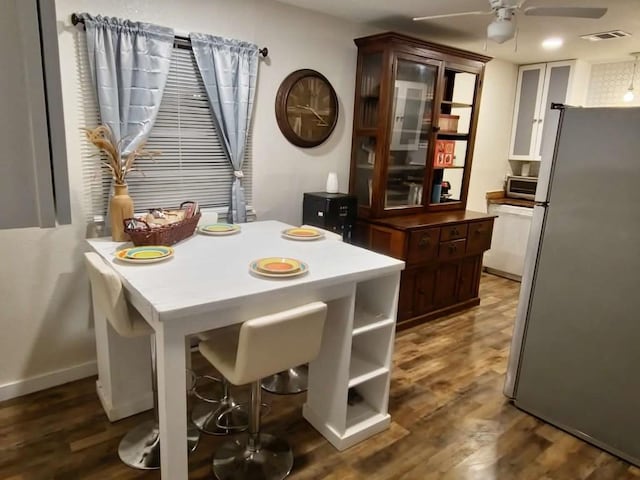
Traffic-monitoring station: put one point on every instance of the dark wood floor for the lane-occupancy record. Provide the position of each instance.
(449, 420)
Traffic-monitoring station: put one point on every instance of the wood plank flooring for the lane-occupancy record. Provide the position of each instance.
(450, 420)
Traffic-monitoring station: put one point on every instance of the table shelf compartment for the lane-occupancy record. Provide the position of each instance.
(368, 403)
(370, 354)
(377, 297)
(365, 320)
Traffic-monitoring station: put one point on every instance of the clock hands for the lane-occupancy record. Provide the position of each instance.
(321, 121)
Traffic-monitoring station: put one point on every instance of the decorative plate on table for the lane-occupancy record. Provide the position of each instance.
(219, 229)
(278, 267)
(146, 254)
(302, 233)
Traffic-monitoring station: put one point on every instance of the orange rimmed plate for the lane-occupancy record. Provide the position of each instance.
(218, 229)
(278, 267)
(145, 254)
(302, 233)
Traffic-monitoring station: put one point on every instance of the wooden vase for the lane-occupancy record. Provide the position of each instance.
(120, 207)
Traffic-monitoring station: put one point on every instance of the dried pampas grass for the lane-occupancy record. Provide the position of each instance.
(102, 137)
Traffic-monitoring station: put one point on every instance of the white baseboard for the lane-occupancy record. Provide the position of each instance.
(47, 380)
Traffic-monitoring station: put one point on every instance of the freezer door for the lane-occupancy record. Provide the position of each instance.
(531, 256)
(580, 354)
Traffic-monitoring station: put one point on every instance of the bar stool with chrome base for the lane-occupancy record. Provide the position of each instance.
(295, 379)
(263, 346)
(140, 447)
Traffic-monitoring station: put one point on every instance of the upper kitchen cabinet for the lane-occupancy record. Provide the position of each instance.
(416, 108)
(534, 122)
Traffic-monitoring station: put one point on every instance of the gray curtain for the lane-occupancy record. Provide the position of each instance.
(229, 69)
(129, 63)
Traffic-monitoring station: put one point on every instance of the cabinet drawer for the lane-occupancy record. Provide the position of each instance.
(423, 245)
(453, 232)
(452, 249)
(479, 236)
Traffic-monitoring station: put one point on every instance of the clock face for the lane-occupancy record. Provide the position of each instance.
(306, 108)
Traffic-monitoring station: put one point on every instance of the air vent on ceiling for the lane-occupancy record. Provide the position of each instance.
(596, 37)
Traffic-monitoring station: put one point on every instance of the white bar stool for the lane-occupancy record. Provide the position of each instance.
(140, 447)
(261, 347)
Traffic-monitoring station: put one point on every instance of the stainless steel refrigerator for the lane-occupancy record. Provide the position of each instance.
(575, 353)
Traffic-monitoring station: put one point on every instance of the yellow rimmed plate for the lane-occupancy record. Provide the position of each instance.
(302, 233)
(145, 254)
(218, 229)
(278, 267)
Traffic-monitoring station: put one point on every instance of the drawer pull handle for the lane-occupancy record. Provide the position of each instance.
(454, 232)
(424, 241)
(452, 249)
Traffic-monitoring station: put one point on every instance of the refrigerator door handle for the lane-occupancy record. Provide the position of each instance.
(526, 290)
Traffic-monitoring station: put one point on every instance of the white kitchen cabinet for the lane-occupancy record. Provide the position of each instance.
(509, 242)
(534, 123)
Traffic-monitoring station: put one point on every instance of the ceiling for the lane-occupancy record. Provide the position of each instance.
(468, 32)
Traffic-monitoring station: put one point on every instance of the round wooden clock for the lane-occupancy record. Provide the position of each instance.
(306, 108)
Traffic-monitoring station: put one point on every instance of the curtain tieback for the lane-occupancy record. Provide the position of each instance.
(238, 173)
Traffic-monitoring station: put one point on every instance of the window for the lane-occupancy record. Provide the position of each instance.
(192, 165)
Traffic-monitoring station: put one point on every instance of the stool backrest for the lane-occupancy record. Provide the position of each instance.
(108, 294)
(273, 343)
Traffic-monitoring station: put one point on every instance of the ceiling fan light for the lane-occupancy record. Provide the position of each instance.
(629, 96)
(552, 43)
(501, 30)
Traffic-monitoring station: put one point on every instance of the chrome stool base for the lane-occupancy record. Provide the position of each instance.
(292, 380)
(227, 418)
(140, 447)
(272, 461)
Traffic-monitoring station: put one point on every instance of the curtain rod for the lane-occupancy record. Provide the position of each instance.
(179, 40)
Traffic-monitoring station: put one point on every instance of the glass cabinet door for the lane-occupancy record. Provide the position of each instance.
(452, 147)
(365, 139)
(411, 130)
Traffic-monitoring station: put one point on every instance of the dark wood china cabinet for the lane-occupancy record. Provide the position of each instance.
(416, 109)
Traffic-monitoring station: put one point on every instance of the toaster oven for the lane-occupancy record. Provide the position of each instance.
(521, 187)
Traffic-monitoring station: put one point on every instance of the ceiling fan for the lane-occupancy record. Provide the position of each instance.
(503, 26)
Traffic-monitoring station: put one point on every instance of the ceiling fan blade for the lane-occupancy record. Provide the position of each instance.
(447, 15)
(579, 12)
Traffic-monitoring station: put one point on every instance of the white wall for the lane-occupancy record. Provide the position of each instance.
(490, 163)
(44, 293)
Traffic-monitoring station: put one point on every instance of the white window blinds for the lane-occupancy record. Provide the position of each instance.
(192, 165)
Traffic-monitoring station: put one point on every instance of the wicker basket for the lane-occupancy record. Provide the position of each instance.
(142, 234)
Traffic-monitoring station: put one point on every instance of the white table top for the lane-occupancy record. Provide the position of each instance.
(212, 272)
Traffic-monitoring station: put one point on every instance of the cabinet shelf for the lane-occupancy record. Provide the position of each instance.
(456, 104)
(453, 136)
(449, 168)
(393, 168)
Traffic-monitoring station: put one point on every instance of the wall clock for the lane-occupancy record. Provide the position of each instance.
(306, 108)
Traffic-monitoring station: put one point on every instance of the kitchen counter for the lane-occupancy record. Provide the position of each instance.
(499, 198)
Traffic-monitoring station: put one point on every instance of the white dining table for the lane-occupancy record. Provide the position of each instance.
(207, 284)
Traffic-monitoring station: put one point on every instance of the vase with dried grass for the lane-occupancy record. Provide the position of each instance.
(120, 203)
